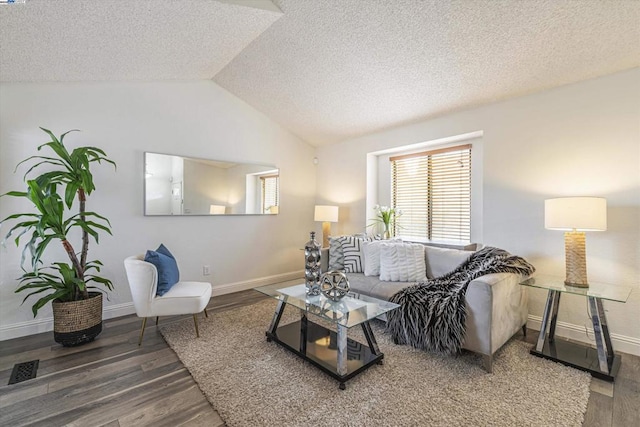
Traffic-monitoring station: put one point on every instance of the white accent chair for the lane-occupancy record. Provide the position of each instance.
(182, 298)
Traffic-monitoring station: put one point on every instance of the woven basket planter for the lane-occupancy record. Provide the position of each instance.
(77, 322)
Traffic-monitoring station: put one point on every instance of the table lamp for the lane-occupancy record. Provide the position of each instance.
(326, 214)
(576, 215)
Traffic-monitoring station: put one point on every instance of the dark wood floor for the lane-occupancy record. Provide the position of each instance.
(113, 382)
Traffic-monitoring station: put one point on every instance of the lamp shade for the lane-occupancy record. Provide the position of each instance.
(217, 209)
(576, 213)
(326, 213)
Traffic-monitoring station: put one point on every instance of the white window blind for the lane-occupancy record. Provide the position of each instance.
(270, 196)
(433, 190)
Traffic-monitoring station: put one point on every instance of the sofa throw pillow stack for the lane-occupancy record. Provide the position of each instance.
(345, 252)
(403, 262)
(165, 262)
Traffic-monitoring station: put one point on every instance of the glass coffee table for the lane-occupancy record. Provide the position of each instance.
(328, 349)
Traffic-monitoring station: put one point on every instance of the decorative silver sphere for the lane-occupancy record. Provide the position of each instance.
(334, 285)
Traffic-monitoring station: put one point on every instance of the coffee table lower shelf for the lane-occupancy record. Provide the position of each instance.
(318, 345)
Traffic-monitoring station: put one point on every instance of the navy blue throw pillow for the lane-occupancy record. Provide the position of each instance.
(168, 274)
(162, 249)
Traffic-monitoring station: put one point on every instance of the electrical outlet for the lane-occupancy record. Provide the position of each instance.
(205, 270)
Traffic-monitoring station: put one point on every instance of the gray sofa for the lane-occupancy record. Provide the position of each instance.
(497, 306)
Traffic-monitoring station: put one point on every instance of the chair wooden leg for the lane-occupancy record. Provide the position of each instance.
(157, 317)
(205, 312)
(195, 322)
(144, 324)
(524, 329)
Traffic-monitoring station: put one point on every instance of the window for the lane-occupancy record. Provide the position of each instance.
(433, 190)
(270, 196)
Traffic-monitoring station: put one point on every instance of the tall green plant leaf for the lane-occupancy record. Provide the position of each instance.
(53, 194)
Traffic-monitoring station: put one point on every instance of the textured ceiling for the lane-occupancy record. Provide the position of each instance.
(92, 40)
(327, 69)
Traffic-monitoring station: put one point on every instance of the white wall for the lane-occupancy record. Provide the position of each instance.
(195, 119)
(581, 139)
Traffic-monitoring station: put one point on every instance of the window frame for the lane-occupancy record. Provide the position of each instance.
(438, 199)
(263, 191)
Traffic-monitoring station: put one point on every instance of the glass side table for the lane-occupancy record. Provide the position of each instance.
(601, 362)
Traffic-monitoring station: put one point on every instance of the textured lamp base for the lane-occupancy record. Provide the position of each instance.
(326, 232)
(575, 259)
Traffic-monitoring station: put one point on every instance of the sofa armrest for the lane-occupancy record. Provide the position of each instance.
(497, 307)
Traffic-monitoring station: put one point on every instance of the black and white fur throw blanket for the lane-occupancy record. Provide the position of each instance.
(432, 314)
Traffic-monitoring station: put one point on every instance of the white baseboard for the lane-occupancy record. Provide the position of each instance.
(228, 288)
(36, 326)
(621, 343)
(118, 310)
(29, 327)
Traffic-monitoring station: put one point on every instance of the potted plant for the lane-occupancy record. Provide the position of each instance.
(76, 302)
(387, 217)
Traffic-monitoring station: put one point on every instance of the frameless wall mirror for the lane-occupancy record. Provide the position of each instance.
(176, 185)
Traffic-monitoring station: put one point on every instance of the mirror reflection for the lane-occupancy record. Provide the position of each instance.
(176, 185)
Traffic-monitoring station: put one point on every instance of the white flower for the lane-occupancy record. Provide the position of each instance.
(376, 207)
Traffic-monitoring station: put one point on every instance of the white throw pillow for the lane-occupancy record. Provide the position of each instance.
(372, 255)
(402, 262)
(441, 261)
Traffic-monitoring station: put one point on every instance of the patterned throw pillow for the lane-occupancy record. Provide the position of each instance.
(402, 263)
(336, 255)
(353, 249)
(353, 254)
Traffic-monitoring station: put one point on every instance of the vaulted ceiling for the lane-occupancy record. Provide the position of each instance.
(327, 69)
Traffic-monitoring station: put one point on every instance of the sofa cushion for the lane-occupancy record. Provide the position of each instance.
(373, 287)
(441, 261)
(404, 262)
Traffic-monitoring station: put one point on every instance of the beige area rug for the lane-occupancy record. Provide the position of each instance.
(252, 382)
